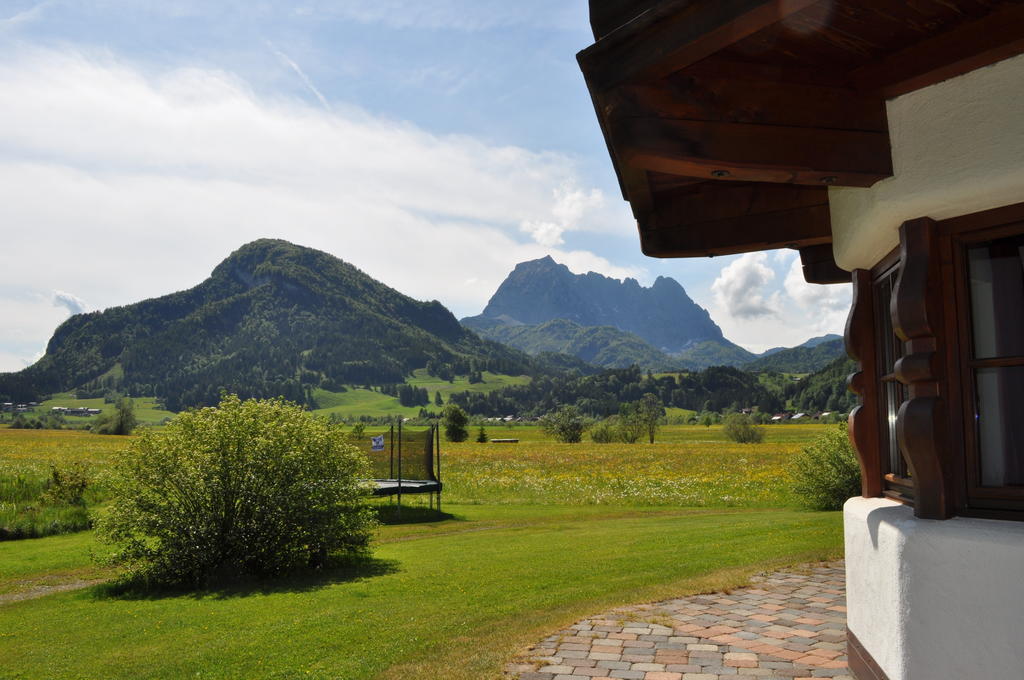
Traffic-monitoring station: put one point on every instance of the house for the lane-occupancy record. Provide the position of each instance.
(884, 141)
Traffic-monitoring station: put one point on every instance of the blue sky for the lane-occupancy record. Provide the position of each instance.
(432, 144)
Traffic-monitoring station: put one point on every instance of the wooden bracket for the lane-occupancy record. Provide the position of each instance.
(921, 424)
(863, 425)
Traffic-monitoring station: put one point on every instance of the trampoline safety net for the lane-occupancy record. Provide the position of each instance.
(406, 453)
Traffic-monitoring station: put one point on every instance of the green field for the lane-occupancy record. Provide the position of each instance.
(146, 409)
(536, 535)
(361, 402)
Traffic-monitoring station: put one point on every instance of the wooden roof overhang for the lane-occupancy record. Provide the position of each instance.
(727, 120)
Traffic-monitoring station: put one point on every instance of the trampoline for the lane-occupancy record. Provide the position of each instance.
(406, 461)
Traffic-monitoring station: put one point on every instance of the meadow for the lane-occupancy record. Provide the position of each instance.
(534, 536)
(357, 401)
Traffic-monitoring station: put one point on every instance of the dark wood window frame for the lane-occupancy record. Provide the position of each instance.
(930, 313)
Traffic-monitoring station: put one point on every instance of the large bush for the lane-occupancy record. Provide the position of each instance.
(247, 487)
(121, 421)
(566, 424)
(827, 473)
(741, 428)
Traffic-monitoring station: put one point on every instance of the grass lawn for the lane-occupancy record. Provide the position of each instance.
(451, 600)
(536, 535)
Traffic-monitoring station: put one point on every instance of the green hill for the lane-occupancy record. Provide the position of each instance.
(717, 352)
(272, 319)
(802, 359)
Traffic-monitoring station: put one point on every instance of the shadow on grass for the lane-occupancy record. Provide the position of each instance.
(392, 514)
(345, 570)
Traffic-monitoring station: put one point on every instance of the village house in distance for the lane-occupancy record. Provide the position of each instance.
(885, 141)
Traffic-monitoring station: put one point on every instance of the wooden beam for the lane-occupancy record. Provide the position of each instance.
(746, 152)
(819, 265)
(799, 227)
(675, 34)
(720, 218)
(955, 52)
(728, 99)
(608, 15)
(716, 201)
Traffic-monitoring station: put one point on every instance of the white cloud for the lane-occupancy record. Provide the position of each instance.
(571, 208)
(122, 184)
(740, 288)
(827, 305)
(761, 301)
(72, 303)
(24, 17)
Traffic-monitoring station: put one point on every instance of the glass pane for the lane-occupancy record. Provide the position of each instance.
(996, 279)
(893, 395)
(884, 325)
(1000, 425)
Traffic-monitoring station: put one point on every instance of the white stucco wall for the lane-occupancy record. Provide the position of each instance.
(935, 600)
(957, 148)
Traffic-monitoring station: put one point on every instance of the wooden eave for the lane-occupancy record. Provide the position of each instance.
(727, 120)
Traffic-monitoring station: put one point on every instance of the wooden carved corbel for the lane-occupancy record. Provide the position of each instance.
(863, 422)
(917, 313)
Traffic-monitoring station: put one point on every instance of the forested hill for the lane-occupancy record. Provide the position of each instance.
(272, 319)
(542, 290)
(806, 358)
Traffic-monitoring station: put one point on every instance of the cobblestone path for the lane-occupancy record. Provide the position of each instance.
(786, 625)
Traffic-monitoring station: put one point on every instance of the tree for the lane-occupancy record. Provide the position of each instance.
(438, 400)
(257, 487)
(566, 424)
(455, 421)
(481, 436)
(650, 411)
(740, 428)
(121, 421)
(630, 423)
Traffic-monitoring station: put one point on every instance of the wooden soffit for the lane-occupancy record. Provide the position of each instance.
(727, 120)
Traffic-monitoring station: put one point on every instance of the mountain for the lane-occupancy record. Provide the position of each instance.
(809, 357)
(542, 290)
(603, 346)
(272, 319)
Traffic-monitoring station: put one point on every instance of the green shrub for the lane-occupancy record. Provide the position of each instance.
(255, 487)
(740, 428)
(826, 473)
(565, 425)
(481, 436)
(67, 485)
(605, 431)
(121, 421)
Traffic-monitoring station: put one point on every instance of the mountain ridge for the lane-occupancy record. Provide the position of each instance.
(542, 290)
(272, 319)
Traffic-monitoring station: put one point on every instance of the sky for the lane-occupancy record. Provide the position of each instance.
(433, 145)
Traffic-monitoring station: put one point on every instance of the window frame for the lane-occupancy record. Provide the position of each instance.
(959, 236)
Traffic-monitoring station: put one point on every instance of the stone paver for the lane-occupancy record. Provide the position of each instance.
(786, 625)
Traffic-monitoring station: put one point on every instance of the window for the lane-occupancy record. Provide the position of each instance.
(938, 329)
(892, 393)
(991, 327)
